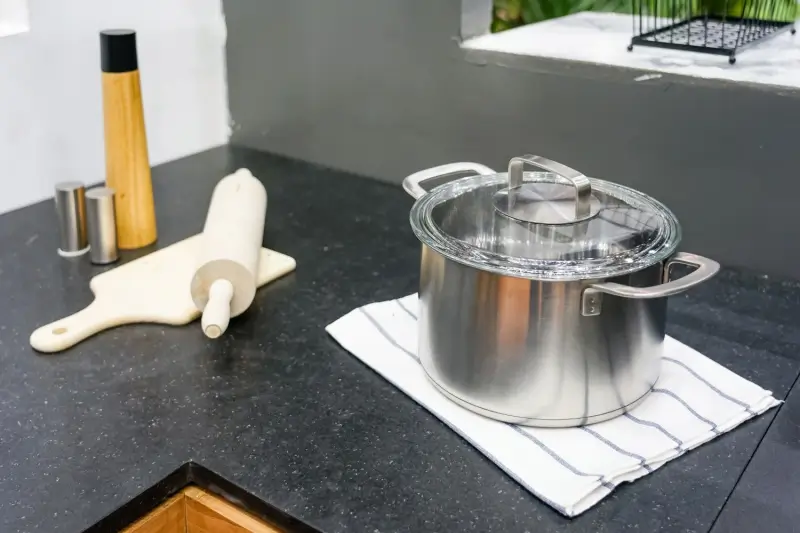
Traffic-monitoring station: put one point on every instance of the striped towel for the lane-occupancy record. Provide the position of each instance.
(694, 401)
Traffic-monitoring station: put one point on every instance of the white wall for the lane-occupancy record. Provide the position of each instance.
(51, 126)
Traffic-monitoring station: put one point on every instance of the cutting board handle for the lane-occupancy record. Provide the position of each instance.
(67, 332)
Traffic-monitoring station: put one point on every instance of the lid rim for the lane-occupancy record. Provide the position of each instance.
(429, 234)
(541, 275)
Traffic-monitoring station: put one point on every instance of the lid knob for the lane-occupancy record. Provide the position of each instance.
(531, 204)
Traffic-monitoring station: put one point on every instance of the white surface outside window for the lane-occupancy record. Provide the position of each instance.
(603, 38)
(13, 17)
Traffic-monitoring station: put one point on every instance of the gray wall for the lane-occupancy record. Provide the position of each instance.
(381, 88)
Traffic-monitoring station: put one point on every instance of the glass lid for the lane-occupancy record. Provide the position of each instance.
(554, 224)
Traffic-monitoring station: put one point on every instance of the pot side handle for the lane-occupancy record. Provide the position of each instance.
(706, 269)
(413, 183)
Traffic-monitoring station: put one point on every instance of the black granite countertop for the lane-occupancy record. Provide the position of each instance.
(277, 416)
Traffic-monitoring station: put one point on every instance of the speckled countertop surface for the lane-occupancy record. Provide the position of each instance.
(279, 417)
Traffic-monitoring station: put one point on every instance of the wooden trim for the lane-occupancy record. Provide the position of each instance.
(194, 510)
(169, 517)
(207, 513)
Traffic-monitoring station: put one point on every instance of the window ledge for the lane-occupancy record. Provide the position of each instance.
(602, 39)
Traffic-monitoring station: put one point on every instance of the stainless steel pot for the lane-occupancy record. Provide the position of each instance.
(543, 295)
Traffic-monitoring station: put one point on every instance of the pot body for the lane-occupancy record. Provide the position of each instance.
(522, 350)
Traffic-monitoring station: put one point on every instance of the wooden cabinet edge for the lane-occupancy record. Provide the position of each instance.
(208, 513)
(168, 517)
(194, 510)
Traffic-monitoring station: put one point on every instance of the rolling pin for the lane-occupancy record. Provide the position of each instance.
(224, 283)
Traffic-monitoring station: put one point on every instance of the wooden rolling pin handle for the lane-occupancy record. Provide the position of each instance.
(217, 313)
(229, 251)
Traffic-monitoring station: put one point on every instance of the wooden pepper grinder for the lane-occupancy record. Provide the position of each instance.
(127, 162)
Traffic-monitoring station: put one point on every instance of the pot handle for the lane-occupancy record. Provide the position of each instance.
(583, 189)
(706, 269)
(413, 183)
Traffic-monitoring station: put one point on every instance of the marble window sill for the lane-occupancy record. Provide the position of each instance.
(602, 39)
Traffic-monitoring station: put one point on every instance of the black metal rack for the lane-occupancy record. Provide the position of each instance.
(722, 27)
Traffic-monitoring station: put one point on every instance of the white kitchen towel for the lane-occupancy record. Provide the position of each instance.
(694, 401)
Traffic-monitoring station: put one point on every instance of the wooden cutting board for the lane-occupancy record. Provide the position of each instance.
(152, 289)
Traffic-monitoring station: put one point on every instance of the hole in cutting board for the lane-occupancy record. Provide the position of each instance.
(59, 331)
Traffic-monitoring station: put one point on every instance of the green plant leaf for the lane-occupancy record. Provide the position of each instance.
(512, 13)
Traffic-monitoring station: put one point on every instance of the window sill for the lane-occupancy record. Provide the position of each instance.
(601, 39)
